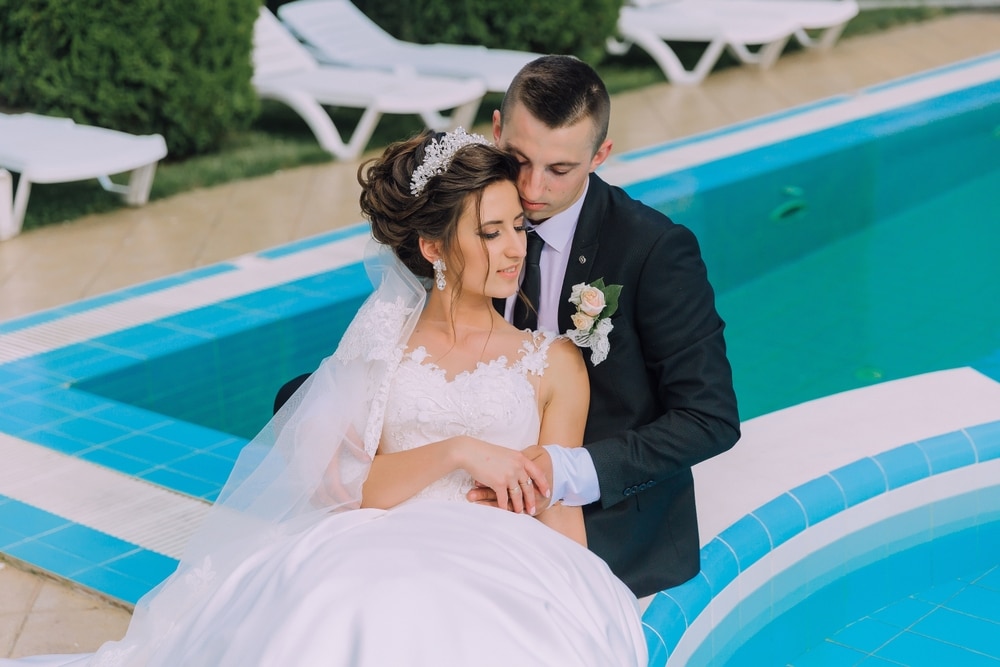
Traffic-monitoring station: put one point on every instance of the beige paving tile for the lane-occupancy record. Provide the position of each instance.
(18, 590)
(69, 631)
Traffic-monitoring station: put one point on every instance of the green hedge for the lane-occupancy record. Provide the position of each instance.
(181, 69)
(577, 27)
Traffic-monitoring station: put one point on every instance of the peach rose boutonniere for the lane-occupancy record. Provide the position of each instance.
(595, 304)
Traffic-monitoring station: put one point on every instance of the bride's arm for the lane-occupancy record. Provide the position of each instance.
(564, 392)
(396, 477)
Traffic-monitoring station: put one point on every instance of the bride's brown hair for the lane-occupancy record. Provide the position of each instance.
(399, 219)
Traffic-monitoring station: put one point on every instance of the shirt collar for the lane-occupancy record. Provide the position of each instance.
(557, 231)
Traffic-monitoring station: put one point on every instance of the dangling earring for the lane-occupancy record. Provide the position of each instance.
(439, 269)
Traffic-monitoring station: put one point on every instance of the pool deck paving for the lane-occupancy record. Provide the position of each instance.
(60, 264)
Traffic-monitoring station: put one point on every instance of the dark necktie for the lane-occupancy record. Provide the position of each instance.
(526, 317)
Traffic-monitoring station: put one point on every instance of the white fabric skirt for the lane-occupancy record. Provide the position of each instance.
(428, 583)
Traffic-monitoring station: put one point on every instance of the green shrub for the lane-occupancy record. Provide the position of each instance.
(577, 27)
(181, 69)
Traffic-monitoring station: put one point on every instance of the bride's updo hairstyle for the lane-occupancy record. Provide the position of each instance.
(399, 218)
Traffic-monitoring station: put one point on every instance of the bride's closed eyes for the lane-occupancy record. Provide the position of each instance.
(493, 235)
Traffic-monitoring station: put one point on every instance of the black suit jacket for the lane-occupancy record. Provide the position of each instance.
(663, 400)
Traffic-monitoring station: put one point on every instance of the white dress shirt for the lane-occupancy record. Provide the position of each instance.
(574, 479)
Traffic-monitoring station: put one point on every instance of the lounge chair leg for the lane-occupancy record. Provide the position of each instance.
(826, 39)
(6, 207)
(764, 57)
(465, 115)
(12, 227)
(139, 185)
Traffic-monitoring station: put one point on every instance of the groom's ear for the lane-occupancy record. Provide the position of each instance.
(497, 127)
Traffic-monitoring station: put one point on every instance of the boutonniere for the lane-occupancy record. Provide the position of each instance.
(595, 304)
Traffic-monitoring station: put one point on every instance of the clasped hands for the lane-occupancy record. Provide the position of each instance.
(521, 484)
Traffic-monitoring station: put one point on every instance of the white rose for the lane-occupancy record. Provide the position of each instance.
(591, 301)
(582, 321)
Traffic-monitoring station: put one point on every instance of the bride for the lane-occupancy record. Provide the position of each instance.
(343, 536)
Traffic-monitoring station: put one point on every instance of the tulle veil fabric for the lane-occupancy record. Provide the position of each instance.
(309, 461)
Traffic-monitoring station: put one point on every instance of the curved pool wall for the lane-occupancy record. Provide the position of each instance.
(105, 492)
(915, 516)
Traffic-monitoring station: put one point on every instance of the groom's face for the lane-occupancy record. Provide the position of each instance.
(555, 162)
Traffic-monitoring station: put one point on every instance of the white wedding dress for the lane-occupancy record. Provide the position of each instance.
(434, 581)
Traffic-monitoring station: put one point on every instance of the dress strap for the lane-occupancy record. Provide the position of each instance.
(534, 357)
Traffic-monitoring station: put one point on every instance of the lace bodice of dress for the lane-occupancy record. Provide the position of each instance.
(495, 402)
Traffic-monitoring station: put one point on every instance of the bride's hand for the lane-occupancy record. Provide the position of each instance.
(508, 472)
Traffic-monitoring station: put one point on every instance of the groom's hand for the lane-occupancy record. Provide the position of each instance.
(484, 495)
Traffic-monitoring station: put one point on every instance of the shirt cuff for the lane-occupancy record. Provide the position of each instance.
(574, 478)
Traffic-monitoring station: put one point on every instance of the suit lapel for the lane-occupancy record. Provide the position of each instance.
(583, 250)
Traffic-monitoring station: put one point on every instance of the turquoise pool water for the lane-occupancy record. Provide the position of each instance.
(917, 292)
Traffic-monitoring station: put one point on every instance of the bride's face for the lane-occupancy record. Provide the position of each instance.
(492, 242)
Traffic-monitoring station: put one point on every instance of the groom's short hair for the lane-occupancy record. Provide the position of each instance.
(560, 91)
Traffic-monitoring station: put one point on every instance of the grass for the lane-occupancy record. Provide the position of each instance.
(279, 139)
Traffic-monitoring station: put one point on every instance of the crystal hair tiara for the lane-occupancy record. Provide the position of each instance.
(438, 155)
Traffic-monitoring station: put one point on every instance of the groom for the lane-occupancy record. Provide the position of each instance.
(663, 399)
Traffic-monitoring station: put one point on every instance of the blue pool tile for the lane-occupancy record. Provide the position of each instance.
(692, 596)
(952, 627)
(821, 497)
(27, 520)
(8, 537)
(92, 431)
(34, 412)
(144, 565)
(190, 435)
(115, 461)
(866, 635)
(12, 425)
(904, 612)
(941, 592)
(204, 466)
(986, 438)
(87, 543)
(72, 400)
(860, 481)
(826, 654)
(655, 646)
(47, 557)
(172, 479)
(128, 416)
(948, 451)
(748, 539)
(113, 583)
(978, 602)
(919, 651)
(667, 618)
(56, 441)
(875, 661)
(783, 518)
(145, 447)
(903, 465)
(990, 580)
(719, 564)
(230, 449)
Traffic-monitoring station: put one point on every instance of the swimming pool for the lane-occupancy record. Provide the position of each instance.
(109, 396)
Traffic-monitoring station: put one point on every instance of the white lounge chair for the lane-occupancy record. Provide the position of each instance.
(827, 18)
(735, 30)
(285, 71)
(43, 149)
(338, 32)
